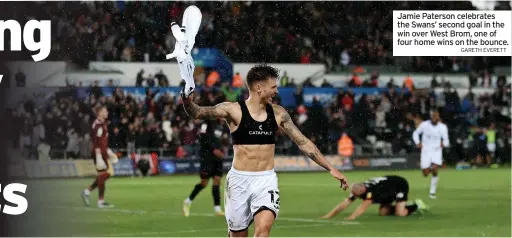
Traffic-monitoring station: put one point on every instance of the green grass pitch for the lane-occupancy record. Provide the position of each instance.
(470, 203)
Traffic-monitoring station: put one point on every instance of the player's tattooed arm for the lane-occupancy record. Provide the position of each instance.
(195, 111)
(305, 145)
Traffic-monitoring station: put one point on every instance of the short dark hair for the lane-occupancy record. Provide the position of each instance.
(260, 73)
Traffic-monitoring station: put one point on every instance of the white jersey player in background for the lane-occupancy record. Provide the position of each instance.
(434, 137)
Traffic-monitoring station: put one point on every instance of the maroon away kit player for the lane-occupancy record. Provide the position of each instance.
(100, 156)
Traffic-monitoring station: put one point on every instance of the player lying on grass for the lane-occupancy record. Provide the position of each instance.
(384, 191)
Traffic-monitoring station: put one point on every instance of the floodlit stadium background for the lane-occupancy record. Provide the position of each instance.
(339, 81)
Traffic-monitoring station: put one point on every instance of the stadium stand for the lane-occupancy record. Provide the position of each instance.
(332, 33)
(339, 35)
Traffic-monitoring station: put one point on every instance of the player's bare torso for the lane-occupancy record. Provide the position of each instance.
(253, 158)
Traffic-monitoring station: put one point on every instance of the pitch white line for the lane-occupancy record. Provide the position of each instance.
(202, 230)
(200, 214)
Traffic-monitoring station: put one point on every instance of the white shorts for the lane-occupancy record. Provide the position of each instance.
(247, 193)
(429, 157)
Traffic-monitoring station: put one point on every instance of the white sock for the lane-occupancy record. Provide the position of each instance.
(217, 209)
(101, 201)
(87, 192)
(433, 184)
(188, 201)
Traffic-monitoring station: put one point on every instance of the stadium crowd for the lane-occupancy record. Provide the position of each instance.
(374, 123)
(337, 34)
(334, 33)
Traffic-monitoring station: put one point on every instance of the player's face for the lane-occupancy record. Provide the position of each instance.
(269, 89)
(435, 117)
(104, 113)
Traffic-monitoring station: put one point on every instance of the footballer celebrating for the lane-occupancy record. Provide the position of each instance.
(251, 191)
(434, 137)
(384, 191)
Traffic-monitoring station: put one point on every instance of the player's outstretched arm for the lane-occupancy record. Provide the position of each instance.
(306, 146)
(221, 110)
(340, 207)
(360, 210)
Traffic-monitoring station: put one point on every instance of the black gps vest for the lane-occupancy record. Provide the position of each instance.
(252, 132)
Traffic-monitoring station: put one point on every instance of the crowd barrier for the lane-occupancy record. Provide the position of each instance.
(167, 166)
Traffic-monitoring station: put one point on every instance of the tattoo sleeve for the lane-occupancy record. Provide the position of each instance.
(305, 145)
(195, 111)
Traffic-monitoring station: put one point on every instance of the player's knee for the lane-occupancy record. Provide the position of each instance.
(216, 181)
(263, 223)
(401, 212)
(383, 212)
(425, 172)
(261, 234)
(401, 209)
(262, 231)
(102, 177)
(434, 170)
(204, 182)
(385, 209)
(100, 182)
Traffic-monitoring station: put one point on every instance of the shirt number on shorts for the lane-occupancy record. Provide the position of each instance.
(274, 198)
